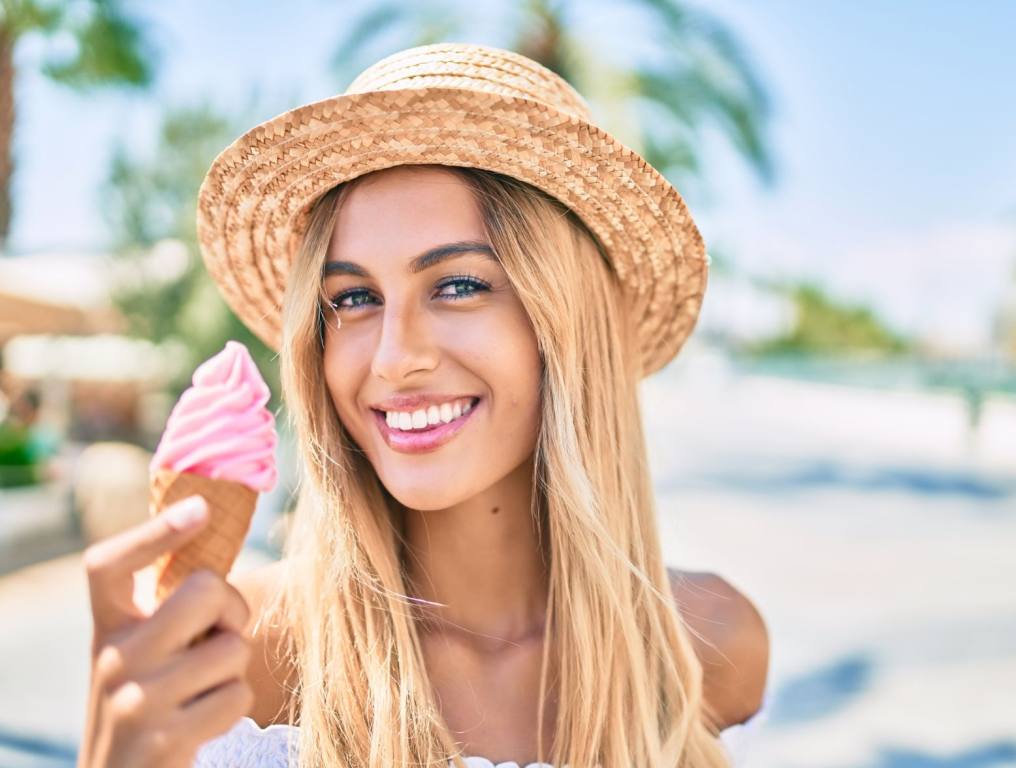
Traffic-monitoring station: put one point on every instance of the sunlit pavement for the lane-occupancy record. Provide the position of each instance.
(873, 533)
(892, 620)
(877, 538)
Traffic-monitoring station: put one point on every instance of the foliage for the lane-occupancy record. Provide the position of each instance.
(109, 48)
(658, 105)
(153, 199)
(827, 326)
(707, 77)
(99, 45)
(18, 463)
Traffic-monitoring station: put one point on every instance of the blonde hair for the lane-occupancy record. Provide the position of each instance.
(629, 685)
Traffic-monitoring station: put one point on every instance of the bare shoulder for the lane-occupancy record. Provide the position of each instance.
(735, 652)
(267, 672)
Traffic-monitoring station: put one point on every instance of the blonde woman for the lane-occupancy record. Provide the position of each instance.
(465, 280)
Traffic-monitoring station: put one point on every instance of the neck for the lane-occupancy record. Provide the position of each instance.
(480, 565)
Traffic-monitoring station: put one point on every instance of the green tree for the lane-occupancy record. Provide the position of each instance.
(828, 326)
(703, 75)
(109, 49)
(152, 199)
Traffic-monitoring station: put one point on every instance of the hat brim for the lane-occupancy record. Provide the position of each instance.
(254, 202)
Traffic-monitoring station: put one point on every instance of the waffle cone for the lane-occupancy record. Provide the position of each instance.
(231, 507)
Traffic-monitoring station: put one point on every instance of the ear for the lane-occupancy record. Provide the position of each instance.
(735, 651)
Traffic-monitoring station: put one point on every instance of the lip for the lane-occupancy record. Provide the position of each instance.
(424, 440)
(413, 402)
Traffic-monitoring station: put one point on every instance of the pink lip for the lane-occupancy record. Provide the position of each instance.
(424, 440)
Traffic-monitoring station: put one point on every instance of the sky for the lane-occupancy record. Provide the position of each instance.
(893, 131)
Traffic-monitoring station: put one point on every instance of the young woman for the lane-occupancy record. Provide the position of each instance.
(475, 281)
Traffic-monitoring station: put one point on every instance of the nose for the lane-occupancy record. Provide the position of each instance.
(405, 346)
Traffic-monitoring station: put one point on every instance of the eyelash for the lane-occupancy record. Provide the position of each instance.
(472, 280)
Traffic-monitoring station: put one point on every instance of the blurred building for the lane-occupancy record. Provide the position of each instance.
(95, 387)
(61, 335)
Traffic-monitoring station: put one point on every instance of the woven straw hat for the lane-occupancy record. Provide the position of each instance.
(452, 104)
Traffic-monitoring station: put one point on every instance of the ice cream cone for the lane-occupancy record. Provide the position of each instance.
(231, 508)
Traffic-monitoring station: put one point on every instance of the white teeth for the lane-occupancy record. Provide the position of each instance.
(423, 418)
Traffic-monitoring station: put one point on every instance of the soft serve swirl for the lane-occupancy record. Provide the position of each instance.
(220, 427)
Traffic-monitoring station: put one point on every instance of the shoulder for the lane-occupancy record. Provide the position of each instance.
(268, 671)
(732, 643)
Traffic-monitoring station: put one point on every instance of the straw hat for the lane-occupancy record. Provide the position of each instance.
(451, 104)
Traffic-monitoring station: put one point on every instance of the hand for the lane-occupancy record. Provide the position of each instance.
(158, 690)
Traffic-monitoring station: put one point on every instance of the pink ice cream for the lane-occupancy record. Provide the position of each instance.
(220, 427)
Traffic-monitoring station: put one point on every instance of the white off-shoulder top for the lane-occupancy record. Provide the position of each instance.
(247, 745)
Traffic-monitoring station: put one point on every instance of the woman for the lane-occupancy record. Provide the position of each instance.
(468, 302)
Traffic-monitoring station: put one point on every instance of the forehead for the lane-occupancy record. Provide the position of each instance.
(399, 211)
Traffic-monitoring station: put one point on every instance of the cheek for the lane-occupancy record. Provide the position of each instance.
(500, 345)
(510, 363)
(524, 407)
(345, 366)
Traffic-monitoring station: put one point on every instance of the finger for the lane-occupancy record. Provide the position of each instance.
(236, 617)
(138, 546)
(111, 563)
(215, 712)
(203, 601)
(236, 613)
(218, 660)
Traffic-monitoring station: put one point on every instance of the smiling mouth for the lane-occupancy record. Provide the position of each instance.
(473, 402)
(424, 439)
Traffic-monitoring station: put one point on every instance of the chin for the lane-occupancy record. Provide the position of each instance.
(421, 500)
(424, 498)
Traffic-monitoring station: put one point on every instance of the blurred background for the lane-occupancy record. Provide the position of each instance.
(837, 439)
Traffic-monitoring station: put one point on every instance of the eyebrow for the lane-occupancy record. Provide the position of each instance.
(418, 264)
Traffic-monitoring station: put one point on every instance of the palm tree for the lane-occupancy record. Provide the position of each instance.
(702, 75)
(109, 50)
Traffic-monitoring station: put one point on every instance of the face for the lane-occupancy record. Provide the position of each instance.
(430, 359)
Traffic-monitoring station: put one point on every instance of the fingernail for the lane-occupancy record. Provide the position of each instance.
(187, 513)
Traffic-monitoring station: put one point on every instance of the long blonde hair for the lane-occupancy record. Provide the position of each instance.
(628, 684)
